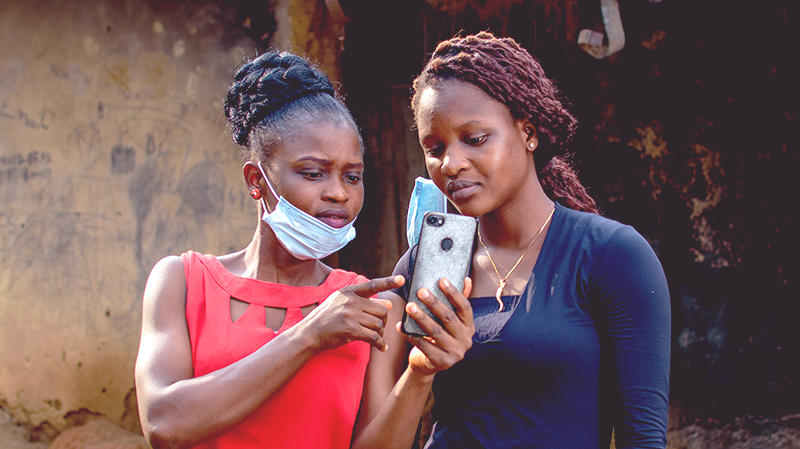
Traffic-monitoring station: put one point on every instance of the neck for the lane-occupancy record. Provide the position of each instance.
(514, 224)
(266, 259)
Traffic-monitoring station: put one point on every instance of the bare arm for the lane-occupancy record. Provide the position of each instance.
(178, 410)
(391, 411)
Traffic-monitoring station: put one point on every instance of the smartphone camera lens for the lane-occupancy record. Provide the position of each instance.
(435, 220)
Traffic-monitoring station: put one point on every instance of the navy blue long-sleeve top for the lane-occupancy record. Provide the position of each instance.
(584, 349)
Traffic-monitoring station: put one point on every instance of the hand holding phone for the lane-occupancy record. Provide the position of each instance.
(450, 340)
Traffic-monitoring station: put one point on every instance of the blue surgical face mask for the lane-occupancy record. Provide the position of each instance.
(304, 236)
(425, 197)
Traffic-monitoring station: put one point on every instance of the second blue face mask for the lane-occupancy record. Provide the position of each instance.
(425, 197)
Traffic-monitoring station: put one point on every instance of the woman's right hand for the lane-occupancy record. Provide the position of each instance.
(349, 314)
(447, 343)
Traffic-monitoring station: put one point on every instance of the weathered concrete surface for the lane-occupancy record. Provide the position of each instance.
(113, 154)
(99, 434)
(13, 436)
(744, 433)
(694, 141)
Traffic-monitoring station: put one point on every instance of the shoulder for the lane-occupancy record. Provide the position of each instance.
(168, 279)
(170, 267)
(403, 267)
(601, 248)
(165, 294)
(404, 264)
(597, 233)
(585, 224)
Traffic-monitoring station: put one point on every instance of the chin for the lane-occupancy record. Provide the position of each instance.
(469, 209)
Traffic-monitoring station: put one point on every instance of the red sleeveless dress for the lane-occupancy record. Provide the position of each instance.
(317, 407)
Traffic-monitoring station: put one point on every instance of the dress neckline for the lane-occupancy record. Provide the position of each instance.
(253, 290)
(546, 244)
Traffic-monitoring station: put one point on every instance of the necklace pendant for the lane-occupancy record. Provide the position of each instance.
(499, 293)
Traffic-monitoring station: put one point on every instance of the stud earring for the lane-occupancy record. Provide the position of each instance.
(532, 145)
(255, 193)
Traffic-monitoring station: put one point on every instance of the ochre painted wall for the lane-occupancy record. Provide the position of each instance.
(113, 154)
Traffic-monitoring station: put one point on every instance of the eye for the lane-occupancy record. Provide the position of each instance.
(476, 140)
(434, 151)
(311, 175)
(353, 178)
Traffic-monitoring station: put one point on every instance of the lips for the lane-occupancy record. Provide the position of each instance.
(461, 190)
(333, 218)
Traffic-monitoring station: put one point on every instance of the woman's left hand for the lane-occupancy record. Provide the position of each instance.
(447, 343)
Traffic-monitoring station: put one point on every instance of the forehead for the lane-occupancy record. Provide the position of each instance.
(336, 142)
(454, 102)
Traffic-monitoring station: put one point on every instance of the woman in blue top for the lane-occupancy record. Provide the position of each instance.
(571, 310)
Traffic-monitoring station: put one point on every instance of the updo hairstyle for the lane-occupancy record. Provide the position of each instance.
(509, 74)
(274, 96)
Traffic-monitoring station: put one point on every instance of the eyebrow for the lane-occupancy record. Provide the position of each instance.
(471, 122)
(460, 127)
(328, 163)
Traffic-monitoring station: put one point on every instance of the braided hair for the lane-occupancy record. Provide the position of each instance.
(273, 96)
(509, 74)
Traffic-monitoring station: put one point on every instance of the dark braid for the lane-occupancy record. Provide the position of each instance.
(273, 95)
(510, 75)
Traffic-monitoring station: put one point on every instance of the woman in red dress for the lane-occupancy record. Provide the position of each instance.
(268, 347)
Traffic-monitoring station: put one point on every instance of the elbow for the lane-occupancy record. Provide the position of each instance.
(158, 438)
(162, 435)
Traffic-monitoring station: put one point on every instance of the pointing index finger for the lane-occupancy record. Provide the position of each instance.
(375, 286)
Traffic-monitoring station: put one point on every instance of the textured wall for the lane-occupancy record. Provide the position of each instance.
(695, 143)
(690, 134)
(113, 154)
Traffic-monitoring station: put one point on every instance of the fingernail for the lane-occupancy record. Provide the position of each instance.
(412, 308)
(446, 283)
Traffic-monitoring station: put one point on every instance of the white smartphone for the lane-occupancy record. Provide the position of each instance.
(445, 249)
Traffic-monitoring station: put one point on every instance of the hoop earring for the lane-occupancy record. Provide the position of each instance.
(255, 193)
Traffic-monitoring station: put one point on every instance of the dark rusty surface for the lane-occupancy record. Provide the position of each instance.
(689, 134)
(695, 144)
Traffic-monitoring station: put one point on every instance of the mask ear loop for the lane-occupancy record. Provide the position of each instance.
(271, 189)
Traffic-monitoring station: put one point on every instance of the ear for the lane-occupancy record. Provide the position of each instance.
(256, 186)
(252, 177)
(528, 134)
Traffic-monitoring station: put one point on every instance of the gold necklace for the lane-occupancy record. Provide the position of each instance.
(503, 280)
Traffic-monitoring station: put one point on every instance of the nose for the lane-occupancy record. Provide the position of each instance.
(335, 191)
(453, 161)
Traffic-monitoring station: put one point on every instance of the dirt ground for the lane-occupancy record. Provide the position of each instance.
(783, 433)
(95, 433)
(13, 436)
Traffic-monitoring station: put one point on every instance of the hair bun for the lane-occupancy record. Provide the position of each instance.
(267, 83)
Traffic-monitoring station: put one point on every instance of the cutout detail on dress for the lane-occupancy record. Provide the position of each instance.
(238, 307)
(305, 310)
(275, 317)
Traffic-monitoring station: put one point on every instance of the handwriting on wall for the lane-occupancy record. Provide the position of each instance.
(38, 121)
(20, 167)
